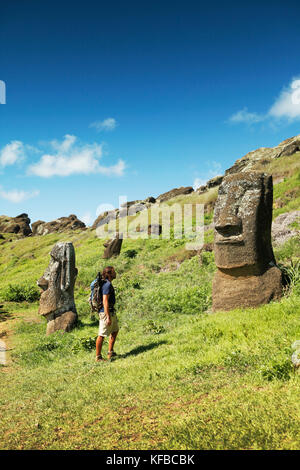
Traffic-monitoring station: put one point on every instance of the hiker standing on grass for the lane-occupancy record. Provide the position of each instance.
(108, 322)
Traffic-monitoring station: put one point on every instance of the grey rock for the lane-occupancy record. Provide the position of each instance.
(281, 230)
(63, 224)
(19, 225)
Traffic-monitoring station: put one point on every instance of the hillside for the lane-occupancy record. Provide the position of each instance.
(184, 378)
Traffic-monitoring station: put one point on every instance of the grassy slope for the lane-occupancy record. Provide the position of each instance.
(185, 379)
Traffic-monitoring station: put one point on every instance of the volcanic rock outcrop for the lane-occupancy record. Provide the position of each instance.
(127, 208)
(19, 225)
(247, 275)
(174, 192)
(63, 224)
(284, 149)
(57, 283)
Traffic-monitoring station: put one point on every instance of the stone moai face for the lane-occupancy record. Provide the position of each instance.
(242, 219)
(58, 281)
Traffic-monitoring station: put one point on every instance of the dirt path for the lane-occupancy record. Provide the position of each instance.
(2, 353)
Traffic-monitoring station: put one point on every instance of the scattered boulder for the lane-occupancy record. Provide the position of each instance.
(127, 208)
(104, 218)
(19, 225)
(201, 189)
(281, 230)
(247, 275)
(212, 183)
(57, 283)
(133, 209)
(63, 224)
(174, 192)
(216, 181)
(36, 225)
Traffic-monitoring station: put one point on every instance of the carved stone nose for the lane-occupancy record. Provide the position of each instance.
(229, 225)
(43, 283)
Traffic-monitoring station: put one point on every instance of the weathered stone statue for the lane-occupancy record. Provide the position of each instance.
(247, 275)
(57, 299)
(112, 247)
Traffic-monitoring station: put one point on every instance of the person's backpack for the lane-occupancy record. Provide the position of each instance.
(96, 299)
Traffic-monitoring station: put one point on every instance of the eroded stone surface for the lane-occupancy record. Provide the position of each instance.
(57, 284)
(63, 224)
(247, 275)
(112, 247)
(19, 225)
(282, 228)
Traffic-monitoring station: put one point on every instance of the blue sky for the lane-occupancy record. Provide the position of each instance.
(136, 98)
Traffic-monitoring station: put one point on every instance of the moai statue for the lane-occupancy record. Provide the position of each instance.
(112, 247)
(57, 299)
(247, 275)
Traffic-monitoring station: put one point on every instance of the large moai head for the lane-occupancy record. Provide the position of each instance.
(247, 275)
(58, 282)
(242, 220)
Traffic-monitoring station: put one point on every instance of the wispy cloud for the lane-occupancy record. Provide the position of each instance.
(244, 116)
(16, 196)
(69, 158)
(12, 153)
(214, 169)
(286, 106)
(108, 124)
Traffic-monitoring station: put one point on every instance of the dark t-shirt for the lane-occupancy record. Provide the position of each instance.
(108, 289)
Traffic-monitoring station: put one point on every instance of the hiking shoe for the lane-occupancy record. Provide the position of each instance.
(111, 354)
(99, 359)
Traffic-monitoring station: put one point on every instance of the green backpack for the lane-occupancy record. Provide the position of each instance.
(96, 299)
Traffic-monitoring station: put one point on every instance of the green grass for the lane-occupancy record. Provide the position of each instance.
(184, 378)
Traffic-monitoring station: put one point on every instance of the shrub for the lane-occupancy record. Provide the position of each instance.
(277, 370)
(87, 343)
(20, 293)
(130, 253)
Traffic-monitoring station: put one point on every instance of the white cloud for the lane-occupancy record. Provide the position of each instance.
(286, 106)
(16, 196)
(12, 153)
(70, 158)
(198, 182)
(214, 169)
(108, 124)
(86, 218)
(244, 116)
(65, 145)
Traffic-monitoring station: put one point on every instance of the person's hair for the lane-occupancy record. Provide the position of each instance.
(107, 272)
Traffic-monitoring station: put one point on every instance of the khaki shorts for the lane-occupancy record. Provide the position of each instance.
(104, 329)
